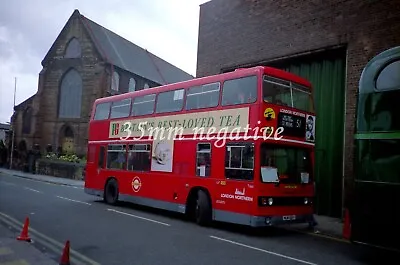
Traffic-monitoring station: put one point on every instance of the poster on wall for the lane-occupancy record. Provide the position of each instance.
(310, 128)
(162, 155)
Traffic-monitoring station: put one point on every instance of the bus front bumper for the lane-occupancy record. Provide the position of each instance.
(262, 221)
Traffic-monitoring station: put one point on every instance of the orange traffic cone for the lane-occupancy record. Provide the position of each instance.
(65, 256)
(24, 233)
(346, 225)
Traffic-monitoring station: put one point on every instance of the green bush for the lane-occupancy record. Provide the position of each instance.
(67, 158)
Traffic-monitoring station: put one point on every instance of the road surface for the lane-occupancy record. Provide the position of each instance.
(129, 234)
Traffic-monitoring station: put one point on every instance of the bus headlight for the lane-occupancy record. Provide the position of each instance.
(305, 200)
(264, 201)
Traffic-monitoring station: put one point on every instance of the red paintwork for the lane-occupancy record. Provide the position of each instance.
(164, 186)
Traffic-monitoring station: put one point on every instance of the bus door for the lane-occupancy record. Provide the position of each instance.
(100, 160)
(374, 208)
(235, 192)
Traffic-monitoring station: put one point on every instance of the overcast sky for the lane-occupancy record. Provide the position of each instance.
(29, 28)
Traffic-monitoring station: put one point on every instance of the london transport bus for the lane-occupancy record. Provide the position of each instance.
(250, 179)
(375, 204)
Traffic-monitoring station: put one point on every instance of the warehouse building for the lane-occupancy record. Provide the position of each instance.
(327, 42)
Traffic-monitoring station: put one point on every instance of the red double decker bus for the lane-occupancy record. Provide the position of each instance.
(236, 147)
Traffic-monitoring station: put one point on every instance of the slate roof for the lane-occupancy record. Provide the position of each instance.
(24, 103)
(128, 56)
(4, 126)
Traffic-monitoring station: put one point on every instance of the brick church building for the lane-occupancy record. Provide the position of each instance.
(85, 62)
(327, 42)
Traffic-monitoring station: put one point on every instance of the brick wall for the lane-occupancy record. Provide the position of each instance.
(239, 32)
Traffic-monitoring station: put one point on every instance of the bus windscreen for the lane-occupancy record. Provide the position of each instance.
(291, 165)
(285, 93)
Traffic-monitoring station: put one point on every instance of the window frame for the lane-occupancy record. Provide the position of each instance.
(132, 81)
(238, 78)
(241, 145)
(197, 93)
(119, 106)
(102, 158)
(72, 82)
(73, 49)
(133, 103)
(115, 78)
(171, 91)
(122, 150)
(297, 151)
(197, 167)
(148, 150)
(109, 111)
(291, 86)
(378, 74)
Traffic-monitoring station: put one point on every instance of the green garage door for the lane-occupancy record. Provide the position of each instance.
(326, 72)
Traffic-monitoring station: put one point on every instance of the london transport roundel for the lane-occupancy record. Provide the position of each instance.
(136, 184)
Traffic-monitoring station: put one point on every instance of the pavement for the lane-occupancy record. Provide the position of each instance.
(44, 178)
(327, 227)
(14, 252)
(129, 234)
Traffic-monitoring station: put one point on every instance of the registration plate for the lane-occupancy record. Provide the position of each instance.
(289, 217)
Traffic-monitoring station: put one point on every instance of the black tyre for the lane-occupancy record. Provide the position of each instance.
(203, 209)
(111, 192)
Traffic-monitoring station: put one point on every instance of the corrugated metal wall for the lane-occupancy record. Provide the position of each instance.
(327, 74)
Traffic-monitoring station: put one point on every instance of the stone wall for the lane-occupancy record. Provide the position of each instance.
(92, 71)
(60, 169)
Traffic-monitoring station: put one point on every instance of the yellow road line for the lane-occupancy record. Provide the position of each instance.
(19, 225)
(319, 235)
(42, 242)
(5, 251)
(15, 262)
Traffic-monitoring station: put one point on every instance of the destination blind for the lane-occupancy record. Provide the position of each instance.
(293, 125)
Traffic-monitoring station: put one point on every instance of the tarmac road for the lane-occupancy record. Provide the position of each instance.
(129, 234)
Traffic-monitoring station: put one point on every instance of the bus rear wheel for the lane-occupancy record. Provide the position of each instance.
(111, 192)
(203, 209)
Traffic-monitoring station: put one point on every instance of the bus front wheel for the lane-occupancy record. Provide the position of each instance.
(203, 209)
(111, 192)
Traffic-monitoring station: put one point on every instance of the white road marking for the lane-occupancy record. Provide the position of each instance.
(32, 190)
(47, 182)
(263, 250)
(7, 183)
(73, 200)
(47, 241)
(140, 217)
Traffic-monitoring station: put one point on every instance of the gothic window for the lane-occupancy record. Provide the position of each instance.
(146, 86)
(27, 121)
(132, 84)
(115, 81)
(22, 146)
(73, 49)
(70, 98)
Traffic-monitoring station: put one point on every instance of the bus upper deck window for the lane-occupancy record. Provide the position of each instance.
(389, 77)
(102, 111)
(239, 91)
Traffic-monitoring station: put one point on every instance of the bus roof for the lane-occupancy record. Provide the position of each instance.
(212, 78)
